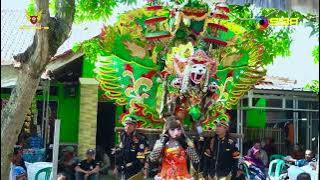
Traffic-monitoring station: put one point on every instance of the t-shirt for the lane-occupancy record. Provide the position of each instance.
(301, 162)
(88, 166)
(70, 167)
(35, 142)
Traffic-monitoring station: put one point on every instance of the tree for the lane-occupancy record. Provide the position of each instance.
(34, 60)
(314, 84)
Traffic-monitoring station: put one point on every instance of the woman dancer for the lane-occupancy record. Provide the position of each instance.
(173, 148)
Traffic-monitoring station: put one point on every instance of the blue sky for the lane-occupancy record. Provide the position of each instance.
(299, 66)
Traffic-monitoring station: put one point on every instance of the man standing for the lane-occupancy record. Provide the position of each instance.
(130, 157)
(223, 154)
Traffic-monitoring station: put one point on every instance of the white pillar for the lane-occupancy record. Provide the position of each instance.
(55, 149)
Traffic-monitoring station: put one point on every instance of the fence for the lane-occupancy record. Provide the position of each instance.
(251, 134)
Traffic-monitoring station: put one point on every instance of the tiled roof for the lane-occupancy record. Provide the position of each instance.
(278, 83)
(15, 40)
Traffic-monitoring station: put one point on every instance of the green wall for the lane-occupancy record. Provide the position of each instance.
(68, 113)
(68, 106)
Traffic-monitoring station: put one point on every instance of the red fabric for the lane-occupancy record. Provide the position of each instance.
(194, 14)
(291, 133)
(217, 41)
(158, 36)
(154, 20)
(153, 8)
(218, 26)
(226, 9)
(220, 16)
(174, 164)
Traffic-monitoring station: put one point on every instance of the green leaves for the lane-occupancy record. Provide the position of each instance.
(315, 54)
(91, 48)
(93, 9)
(32, 9)
(275, 40)
(88, 10)
(76, 47)
(313, 86)
(52, 7)
(127, 2)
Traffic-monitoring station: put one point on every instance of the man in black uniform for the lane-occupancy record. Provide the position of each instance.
(221, 154)
(89, 168)
(130, 157)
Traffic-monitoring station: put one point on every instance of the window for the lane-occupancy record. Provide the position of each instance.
(314, 129)
(6, 90)
(275, 103)
(315, 105)
(303, 104)
(53, 91)
(289, 103)
(245, 102)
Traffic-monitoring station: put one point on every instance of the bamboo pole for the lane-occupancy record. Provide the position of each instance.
(189, 133)
(55, 148)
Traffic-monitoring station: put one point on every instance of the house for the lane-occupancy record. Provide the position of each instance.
(67, 91)
(273, 104)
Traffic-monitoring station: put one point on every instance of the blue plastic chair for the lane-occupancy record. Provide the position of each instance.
(245, 168)
(276, 156)
(47, 172)
(275, 168)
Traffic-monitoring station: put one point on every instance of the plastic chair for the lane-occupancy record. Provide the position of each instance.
(47, 172)
(276, 156)
(275, 168)
(245, 168)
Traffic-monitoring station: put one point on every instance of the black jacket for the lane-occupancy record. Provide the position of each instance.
(223, 156)
(131, 152)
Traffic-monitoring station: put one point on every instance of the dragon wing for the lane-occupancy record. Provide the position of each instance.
(130, 84)
(27, 15)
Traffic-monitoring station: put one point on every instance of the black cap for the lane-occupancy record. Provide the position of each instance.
(91, 152)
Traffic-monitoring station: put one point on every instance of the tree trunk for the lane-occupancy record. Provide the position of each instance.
(12, 117)
(33, 63)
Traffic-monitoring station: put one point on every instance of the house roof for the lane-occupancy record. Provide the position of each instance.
(15, 40)
(278, 83)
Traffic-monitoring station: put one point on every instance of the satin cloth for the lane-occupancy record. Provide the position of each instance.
(174, 165)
